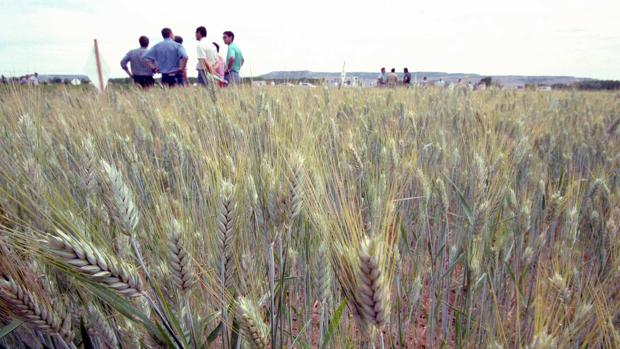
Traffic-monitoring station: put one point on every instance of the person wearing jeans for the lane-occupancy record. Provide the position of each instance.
(234, 59)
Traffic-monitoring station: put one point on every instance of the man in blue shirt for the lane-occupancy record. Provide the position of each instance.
(167, 57)
(140, 72)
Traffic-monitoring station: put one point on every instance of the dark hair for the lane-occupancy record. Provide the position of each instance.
(393, 70)
(217, 47)
(406, 70)
(230, 34)
(166, 32)
(382, 68)
(202, 30)
(178, 39)
(144, 41)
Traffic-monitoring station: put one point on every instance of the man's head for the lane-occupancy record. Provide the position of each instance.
(383, 70)
(217, 47)
(201, 32)
(178, 39)
(144, 41)
(166, 33)
(406, 70)
(228, 37)
(393, 70)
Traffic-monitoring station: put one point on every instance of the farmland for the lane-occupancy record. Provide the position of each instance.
(293, 218)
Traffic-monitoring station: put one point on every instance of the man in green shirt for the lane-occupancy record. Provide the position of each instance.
(234, 59)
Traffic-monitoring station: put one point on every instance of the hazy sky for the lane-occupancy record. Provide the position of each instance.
(533, 37)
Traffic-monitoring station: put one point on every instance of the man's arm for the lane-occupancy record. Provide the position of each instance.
(231, 59)
(124, 62)
(149, 59)
(183, 58)
(206, 66)
(183, 63)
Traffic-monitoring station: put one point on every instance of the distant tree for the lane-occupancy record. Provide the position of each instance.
(487, 81)
(598, 85)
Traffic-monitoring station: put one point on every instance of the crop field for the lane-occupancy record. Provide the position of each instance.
(309, 218)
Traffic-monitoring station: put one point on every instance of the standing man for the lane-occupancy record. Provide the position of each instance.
(207, 57)
(168, 57)
(407, 78)
(382, 79)
(392, 78)
(140, 72)
(234, 59)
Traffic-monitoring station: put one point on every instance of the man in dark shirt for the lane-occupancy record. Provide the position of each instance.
(140, 72)
(407, 78)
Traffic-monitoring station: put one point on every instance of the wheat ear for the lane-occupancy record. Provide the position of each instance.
(251, 323)
(119, 201)
(373, 288)
(86, 260)
(179, 259)
(225, 236)
(102, 328)
(296, 191)
(25, 305)
(323, 276)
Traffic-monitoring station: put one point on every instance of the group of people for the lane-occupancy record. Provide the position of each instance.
(28, 79)
(169, 59)
(391, 80)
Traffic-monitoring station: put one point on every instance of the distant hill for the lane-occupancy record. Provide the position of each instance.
(505, 80)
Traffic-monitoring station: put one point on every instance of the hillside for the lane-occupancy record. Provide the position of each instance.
(506, 80)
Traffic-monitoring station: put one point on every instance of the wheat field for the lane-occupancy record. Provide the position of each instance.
(309, 218)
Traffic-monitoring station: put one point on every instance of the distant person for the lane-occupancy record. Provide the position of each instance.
(424, 82)
(382, 78)
(140, 71)
(167, 57)
(33, 79)
(4, 80)
(441, 83)
(406, 77)
(234, 59)
(207, 56)
(220, 66)
(392, 78)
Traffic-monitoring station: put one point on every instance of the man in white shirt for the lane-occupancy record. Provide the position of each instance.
(207, 57)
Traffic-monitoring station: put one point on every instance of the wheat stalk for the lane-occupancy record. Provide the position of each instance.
(84, 259)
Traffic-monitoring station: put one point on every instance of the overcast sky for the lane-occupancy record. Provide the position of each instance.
(532, 37)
